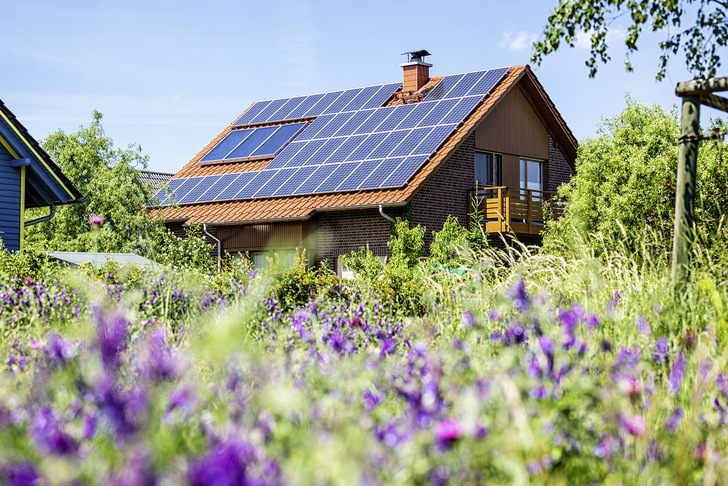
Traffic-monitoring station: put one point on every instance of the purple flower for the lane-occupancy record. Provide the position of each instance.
(23, 474)
(112, 339)
(468, 319)
(448, 430)
(518, 295)
(160, 364)
(592, 321)
(661, 350)
(47, 429)
(635, 425)
(58, 350)
(674, 420)
(224, 464)
(643, 326)
(722, 382)
(96, 220)
(677, 373)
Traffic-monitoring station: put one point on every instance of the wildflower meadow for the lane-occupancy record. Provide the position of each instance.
(514, 367)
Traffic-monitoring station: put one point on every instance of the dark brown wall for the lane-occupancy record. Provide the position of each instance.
(446, 193)
(558, 170)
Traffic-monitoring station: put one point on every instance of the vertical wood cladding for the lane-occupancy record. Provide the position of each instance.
(513, 128)
(9, 202)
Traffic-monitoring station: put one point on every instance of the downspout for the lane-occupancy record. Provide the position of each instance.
(44, 218)
(386, 216)
(219, 245)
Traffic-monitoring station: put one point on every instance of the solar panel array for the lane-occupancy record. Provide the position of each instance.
(353, 144)
(316, 105)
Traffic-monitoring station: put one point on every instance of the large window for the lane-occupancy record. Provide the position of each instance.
(488, 169)
(531, 175)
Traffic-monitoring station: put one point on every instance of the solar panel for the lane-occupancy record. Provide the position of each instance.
(337, 176)
(381, 173)
(313, 129)
(258, 180)
(252, 112)
(367, 146)
(252, 142)
(309, 185)
(404, 171)
(194, 194)
(299, 176)
(441, 109)
(272, 107)
(381, 96)
(325, 151)
(306, 153)
(284, 112)
(270, 187)
(388, 144)
(353, 144)
(301, 110)
(357, 176)
(163, 194)
(361, 98)
(236, 186)
(487, 82)
(420, 111)
(227, 144)
(346, 97)
(353, 123)
(439, 91)
(331, 127)
(278, 139)
(320, 107)
(217, 187)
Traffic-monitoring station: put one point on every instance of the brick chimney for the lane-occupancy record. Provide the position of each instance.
(416, 71)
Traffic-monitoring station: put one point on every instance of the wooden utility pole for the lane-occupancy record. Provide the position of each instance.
(694, 93)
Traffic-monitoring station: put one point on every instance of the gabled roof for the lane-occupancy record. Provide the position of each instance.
(301, 207)
(154, 179)
(45, 183)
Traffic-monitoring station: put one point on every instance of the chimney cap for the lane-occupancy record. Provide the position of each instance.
(416, 56)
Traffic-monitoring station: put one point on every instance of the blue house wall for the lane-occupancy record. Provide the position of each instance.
(9, 201)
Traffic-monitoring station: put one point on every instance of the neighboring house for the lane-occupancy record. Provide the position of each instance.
(326, 172)
(155, 180)
(28, 179)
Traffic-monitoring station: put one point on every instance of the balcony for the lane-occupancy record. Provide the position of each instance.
(512, 210)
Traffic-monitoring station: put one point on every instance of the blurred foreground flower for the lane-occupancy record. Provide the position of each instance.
(96, 220)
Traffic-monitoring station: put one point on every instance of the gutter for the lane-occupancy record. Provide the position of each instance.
(42, 219)
(386, 216)
(219, 246)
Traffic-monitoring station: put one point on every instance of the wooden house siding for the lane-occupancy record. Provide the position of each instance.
(514, 130)
(9, 201)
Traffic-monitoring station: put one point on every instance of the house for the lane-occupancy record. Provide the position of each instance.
(328, 172)
(28, 179)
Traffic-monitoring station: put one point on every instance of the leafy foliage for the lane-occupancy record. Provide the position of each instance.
(700, 41)
(189, 253)
(625, 180)
(108, 179)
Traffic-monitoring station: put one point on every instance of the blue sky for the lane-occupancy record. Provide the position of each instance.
(171, 75)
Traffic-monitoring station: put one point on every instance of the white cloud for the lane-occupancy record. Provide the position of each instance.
(616, 35)
(517, 41)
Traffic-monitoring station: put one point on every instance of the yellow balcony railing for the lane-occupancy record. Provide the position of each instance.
(503, 209)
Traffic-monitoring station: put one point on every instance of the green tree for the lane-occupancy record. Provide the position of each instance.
(626, 177)
(700, 40)
(108, 179)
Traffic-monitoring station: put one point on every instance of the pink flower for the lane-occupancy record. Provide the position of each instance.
(635, 425)
(96, 220)
(35, 344)
(448, 429)
(28, 281)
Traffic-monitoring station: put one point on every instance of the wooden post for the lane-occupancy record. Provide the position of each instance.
(685, 197)
(507, 204)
